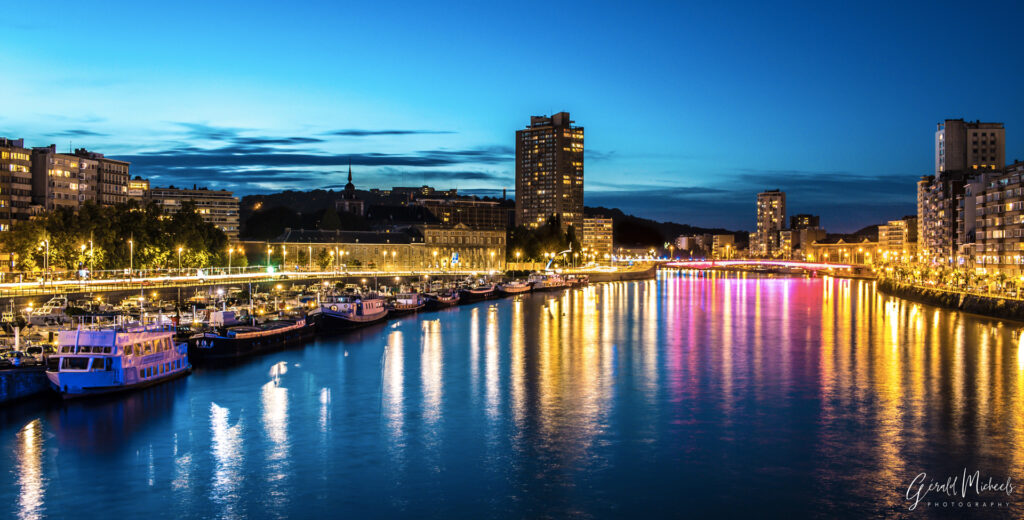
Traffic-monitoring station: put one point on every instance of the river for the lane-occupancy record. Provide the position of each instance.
(689, 395)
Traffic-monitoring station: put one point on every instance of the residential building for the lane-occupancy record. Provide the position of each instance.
(965, 146)
(549, 172)
(138, 189)
(723, 247)
(62, 180)
(963, 152)
(218, 207)
(804, 221)
(15, 182)
(597, 237)
(998, 245)
(771, 217)
(111, 177)
(898, 239)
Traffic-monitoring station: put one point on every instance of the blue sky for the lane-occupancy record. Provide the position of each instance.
(690, 109)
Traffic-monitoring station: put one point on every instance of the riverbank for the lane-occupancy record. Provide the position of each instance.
(991, 306)
(21, 383)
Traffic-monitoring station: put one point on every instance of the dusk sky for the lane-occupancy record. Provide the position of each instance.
(690, 109)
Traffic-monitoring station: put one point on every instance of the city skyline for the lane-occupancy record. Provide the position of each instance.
(706, 107)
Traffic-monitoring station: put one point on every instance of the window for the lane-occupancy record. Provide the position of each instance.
(74, 363)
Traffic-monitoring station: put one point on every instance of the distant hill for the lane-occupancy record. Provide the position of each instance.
(266, 216)
(633, 231)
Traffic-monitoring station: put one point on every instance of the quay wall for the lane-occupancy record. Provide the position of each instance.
(992, 306)
(619, 276)
(19, 383)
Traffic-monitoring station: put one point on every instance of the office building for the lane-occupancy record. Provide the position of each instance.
(597, 237)
(549, 172)
(218, 207)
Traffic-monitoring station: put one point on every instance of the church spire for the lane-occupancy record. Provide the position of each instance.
(350, 170)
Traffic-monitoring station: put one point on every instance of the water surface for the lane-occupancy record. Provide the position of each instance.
(682, 396)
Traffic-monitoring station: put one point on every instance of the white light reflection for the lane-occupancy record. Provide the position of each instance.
(226, 447)
(30, 473)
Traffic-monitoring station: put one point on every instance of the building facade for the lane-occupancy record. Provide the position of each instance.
(218, 207)
(771, 218)
(111, 177)
(998, 241)
(549, 172)
(15, 182)
(62, 180)
(723, 247)
(138, 189)
(964, 153)
(597, 237)
(476, 214)
(898, 239)
(969, 146)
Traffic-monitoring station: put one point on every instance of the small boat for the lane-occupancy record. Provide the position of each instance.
(514, 287)
(352, 310)
(577, 280)
(94, 362)
(442, 299)
(50, 313)
(546, 282)
(476, 292)
(407, 303)
(229, 342)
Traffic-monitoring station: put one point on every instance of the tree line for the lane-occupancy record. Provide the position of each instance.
(112, 237)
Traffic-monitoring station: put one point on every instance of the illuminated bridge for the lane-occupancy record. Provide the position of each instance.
(711, 264)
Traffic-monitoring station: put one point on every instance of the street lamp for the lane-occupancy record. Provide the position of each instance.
(284, 257)
(179, 259)
(131, 256)
(269, 250)
(310, 256)
(231, 251)
(332, 259)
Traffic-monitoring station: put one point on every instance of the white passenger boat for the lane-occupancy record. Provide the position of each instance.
(109, 360)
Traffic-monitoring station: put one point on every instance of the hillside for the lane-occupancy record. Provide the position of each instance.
(633, 231)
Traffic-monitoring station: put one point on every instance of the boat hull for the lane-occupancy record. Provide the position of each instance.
(93, 391)
(336, 321)
(434, 303)
(511, 291)
(406, 309)
(470, 296)
(210, 346)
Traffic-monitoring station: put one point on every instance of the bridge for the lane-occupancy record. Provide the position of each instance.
(789, 264)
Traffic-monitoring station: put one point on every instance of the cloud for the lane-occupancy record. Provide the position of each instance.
(78, 132)
(353, 132)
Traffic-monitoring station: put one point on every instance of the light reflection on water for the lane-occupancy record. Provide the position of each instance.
(698, 395)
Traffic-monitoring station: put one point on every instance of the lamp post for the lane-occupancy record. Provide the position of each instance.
(284, 257)
(179, 259)
(269, 250)
(435, 259)
(131, 256)
(231, 251)
(332, 259)
(310, 256)
(394, 254)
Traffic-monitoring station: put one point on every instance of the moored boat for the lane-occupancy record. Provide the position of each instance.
(229, 342)
(476, 292)
(442, 299)
(514, 287)
(407, 303)
(352, 311)
(93, 362)
(546, 281)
